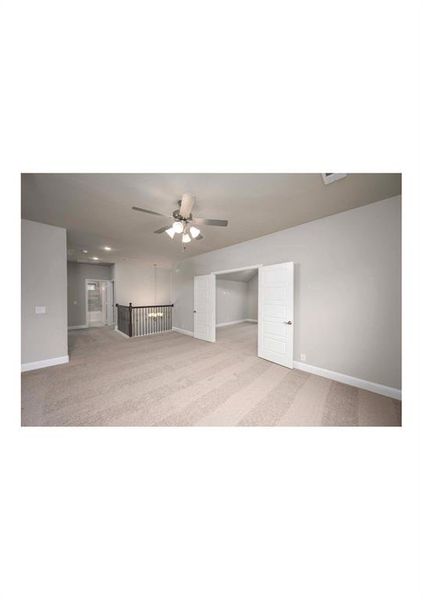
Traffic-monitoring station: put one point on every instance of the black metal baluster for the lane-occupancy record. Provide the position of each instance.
(130, 320)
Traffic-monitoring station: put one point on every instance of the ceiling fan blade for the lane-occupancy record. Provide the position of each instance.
(162, 229)
(216, 222)
(150, 212)
(187, 203)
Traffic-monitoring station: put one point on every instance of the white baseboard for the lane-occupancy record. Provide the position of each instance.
(191, 333)
(236, 322)
(231, 323)
(121, 333)
(78, 327)
(183, 331)
(377, 388)
(41, 364)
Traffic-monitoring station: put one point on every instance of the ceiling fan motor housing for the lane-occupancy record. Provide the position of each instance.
(177, 216)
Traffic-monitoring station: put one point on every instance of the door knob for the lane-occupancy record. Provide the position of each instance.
(288, 322)
(194, 311)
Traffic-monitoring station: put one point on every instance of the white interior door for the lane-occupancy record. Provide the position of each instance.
(99, 302)
(95, 303)
(276, 313)
(205, 307)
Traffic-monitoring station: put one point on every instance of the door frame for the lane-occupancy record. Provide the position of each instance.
(111, 282)
(236, 270)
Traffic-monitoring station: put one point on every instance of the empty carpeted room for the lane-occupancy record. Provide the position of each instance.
(211, 299)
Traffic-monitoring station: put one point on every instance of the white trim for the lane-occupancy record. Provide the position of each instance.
(78, 327)
(251, 320)
(183, 331)
(121, 333)
(231, 323)
(236, 270)
(40, 364)
(377, 388)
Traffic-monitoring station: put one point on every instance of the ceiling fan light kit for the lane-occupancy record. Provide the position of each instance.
(194, 231)
(183, 220)
(178, 227)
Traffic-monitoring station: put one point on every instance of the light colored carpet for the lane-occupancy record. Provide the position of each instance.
(172, 379)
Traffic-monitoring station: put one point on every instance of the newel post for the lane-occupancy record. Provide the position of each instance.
(130, 320)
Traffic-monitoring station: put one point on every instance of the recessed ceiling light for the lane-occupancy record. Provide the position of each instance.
(84, 251)
(107, 248)
(95, 257)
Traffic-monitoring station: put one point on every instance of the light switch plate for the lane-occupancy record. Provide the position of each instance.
(40, 310)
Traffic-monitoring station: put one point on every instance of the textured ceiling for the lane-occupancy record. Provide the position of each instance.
(96, 208)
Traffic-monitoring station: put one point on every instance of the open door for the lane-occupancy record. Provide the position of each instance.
(276, 313)
(99, 302)
(205, 307)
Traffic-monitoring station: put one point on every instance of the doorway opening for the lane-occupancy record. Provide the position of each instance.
(237, 308)
(275, 310)
(99, 302)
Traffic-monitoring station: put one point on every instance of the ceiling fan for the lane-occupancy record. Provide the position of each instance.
(184, 222)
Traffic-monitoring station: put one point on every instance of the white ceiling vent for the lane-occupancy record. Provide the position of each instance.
(331, 177)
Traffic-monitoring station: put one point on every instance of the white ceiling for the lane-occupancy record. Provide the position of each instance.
(96, 208)
(244, 275)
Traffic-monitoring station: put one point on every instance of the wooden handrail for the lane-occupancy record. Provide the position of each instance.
(150, 306)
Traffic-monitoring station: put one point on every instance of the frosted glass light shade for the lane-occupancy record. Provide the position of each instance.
(178, 227)
(186, 238)
(194, 231)
(171, 232)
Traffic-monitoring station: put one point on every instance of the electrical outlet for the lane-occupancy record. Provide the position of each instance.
(303, 357)
(40, 310)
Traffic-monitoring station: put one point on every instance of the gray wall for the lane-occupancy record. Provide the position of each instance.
(134, 282)
(77, 273)
(231, 300)
(43, 283)
(252, 298)
(347, 288)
